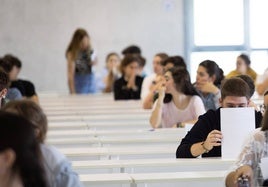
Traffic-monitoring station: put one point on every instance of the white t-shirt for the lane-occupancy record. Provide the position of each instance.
(147, 82)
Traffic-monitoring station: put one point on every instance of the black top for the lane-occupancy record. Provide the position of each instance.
(121, 92)
(25, 87)
(205, 124)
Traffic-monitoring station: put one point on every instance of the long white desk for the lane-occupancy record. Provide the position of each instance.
(189, 179)
(151, 165)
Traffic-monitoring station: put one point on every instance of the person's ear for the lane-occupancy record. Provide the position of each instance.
(8, 158)
(213, 78)
(220, 101)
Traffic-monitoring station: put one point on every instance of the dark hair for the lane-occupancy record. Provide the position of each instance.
(177, 61)
(32, 112)
(212, 68)
(245, 58)
(142, 61)
(132, 49)
(74, 45)
(250, 83)
(6, 65)
(13, 60)
(235, 87)
(128, 59)
(265, 93)
(4, 79)
(182, 81)
(264, 123)
(17, 134)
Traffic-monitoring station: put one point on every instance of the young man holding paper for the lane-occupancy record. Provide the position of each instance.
(205, 136)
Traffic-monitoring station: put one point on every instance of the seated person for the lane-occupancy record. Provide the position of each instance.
(20, 159)
(58, 169)
(243, 68)
(129, 85)
(3, 86)
(25, 87)
(109, 74)
(12, 93)
(208, 81)
(149, 84)
(248, 161)
(177, 102)
(205, 136)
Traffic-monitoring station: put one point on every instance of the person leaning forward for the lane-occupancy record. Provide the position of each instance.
(205, 136)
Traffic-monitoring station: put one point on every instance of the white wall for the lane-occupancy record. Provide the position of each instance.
(38, 32)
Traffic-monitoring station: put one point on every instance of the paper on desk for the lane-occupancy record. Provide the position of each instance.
(236, 125)
(188, 127)
(264, 168)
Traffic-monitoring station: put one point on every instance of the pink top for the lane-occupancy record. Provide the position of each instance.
(171, 115)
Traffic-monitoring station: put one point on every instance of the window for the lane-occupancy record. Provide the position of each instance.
(221, 30)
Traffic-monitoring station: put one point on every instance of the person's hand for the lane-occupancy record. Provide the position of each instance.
(157, 83)
(244, 172)
(131, 82)
(213, 139)
(207, 87)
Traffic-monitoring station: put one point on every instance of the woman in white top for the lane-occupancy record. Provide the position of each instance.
(248, 163)
(177, 101)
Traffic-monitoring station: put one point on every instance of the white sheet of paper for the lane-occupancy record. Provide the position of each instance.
(264, 168)
(236, 126)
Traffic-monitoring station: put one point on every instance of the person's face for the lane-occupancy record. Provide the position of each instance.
(158, 68)
(131, 69)
(13, 75)
(202, 76)
(112, 62)
(241, 65)
(84, 43)
(234, 102)
(169, 82)
(168, 66)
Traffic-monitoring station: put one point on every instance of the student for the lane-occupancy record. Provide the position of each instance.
(177, 101)
(26, 87)
(129, 85)
(109, 74)
(243, 68)
(248, 161)
(136, 50)
(150, 82)
(58, 169)
(20, 158)
(12, 93)
(80, 59)
(208, 80)
(205, 136)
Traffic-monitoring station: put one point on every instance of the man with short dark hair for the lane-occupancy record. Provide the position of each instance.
(26, 88)
(205, 136)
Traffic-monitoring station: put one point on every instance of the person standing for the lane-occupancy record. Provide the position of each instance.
(80, 59)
